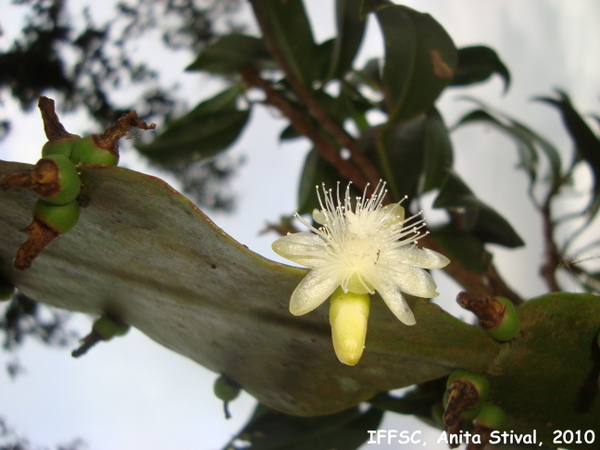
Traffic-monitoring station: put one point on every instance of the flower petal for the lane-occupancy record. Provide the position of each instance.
(414, 281)
(303, 248)
(313, 290)
(395, 301)
(422, 257)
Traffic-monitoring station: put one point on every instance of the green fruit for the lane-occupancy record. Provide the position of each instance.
(60, 218)
(492, 417)
(109, 328)
(226, 389)
(87, 151)
(511, 324)
(60, 146)
(61, 175)
(481, 383)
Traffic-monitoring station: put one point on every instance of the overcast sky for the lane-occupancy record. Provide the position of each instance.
(133, 394)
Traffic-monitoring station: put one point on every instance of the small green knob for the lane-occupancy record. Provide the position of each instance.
(62, 146)
(59, 180)
(60, 218)
(492, 417)
(509, 326)
(108, 328)
(87, 151)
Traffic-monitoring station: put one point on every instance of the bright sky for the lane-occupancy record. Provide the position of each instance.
(133, 394)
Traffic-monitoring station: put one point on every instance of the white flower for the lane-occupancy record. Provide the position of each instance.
(363, 249)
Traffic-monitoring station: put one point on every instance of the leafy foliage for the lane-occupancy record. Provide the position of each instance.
(268, 429)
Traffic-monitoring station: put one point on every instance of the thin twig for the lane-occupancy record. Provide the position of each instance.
(552, 258)
(303, 124)
(339, 135)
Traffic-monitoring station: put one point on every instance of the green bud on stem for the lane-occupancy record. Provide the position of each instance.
(227, 390)
(53, 178)
(103, 329)
(465, 393)
(49, 221)
(497, 315)
(62, 146)
(104, 148)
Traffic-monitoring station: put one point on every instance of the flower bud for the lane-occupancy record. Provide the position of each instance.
(348, 316)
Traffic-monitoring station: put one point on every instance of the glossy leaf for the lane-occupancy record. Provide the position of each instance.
(207, 130)
(370, 75)
(529, 143)
(481, 220)
(398, 154)
(477, 64)
(350, 31)
(144, 253)
(316, 171)
(420, 60)
(290, 28)
(437, 151)
(586, 142)
(230, 54)
(413, 156)
(272, 430)
(464, 247)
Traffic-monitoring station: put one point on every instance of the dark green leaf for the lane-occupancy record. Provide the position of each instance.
(350, 30)
(477, 64)
(370, 75)
(315, 172)
(230, 54)
(437, 151)
(290, 28)
(398, 153)
(420, 59)
(479, 218)
(205, 131)
(415, 402)
(586, 142)
(289, 133)
(322, 59)
(529, 143)
(272, 430)
(463, 247)
(355, 106)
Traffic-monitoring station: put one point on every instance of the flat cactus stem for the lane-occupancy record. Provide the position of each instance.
(144, 252)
